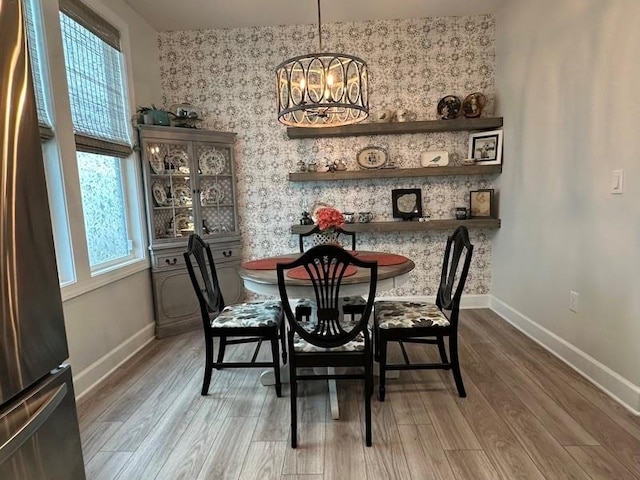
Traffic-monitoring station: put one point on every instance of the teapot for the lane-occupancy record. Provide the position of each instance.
(340, 165)
(365, 217)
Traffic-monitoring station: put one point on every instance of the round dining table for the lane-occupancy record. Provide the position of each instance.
(259, 276)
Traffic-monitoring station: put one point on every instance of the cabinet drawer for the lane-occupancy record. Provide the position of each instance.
(172, 260)
(222, 253)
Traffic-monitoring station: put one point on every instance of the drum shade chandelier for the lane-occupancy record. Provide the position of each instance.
(322, 89)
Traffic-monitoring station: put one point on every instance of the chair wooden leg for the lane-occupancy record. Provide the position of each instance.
(223, 344)
(382, 364)
(208, 365)
(376, 342)
(368, 387)
(275, 354)
(455, 364)
(442, 350)
(293, 384)
(283, 339)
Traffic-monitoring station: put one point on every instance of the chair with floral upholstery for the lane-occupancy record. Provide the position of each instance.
(247, 322)
(423, 322)
(328, 339)
(352, 305)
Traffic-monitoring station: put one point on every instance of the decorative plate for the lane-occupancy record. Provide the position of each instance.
(181, 222)
(176, 159)
(159, 193)
(372, 157)
(449, 107)
(156, 163)
(434, 159)
(472, 105)
(182, 195)
(212, 195)
(212, 162)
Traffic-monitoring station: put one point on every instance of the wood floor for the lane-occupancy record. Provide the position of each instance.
(526, 416)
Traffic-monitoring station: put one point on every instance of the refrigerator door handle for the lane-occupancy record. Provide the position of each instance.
(34, 423)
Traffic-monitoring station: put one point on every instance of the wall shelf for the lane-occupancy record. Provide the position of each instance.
(400, 226)
(394, 128)
(394, 173)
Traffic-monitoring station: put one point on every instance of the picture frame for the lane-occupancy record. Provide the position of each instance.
(482, 203)
(406, 203)
(486, 147)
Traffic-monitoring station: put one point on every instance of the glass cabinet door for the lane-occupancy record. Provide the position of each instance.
(170, 180)
(215, 187)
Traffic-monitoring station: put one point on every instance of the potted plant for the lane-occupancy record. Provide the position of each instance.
(153, 116)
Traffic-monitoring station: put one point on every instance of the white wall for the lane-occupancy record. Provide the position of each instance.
(567, 86)
(108, 324)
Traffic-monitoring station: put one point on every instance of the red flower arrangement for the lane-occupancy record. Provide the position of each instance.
(328, 219)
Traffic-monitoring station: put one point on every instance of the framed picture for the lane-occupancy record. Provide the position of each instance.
(407, 203)
(486, 147)
(481, 203)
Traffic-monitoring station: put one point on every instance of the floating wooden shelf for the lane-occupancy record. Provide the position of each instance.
(400, 226)
(394, 128)
(394, 173)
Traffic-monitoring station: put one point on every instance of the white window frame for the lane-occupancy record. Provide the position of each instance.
(65, 198)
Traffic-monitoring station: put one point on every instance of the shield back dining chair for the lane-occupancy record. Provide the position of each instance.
(329, 339)
(351, 305)
(424, 322)
(233, 324)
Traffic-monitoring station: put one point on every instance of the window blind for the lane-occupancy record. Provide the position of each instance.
(95, 81)
(34, 44)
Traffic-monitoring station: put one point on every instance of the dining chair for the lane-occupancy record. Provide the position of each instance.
(328, 339)
(233, 324)
(424, 322)
(351, 305)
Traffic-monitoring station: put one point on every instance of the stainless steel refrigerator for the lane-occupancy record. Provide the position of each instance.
(39, 436)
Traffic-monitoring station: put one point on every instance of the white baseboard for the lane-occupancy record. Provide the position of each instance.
(610, 382)
(94, 374)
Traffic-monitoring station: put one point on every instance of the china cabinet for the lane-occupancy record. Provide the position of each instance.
(189, 187)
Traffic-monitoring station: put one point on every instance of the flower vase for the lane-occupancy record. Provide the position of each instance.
(327, 237)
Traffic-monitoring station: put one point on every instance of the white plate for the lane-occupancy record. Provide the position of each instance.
(434, 159)
(372, 157)
(181, 222)
(212, 162)
(212, 195)
(156, 163)
(181, 195)
(159, 193)
(177, 159)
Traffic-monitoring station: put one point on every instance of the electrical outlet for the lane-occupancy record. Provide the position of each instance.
(573, 301)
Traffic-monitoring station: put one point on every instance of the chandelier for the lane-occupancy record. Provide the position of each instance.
(322, 89)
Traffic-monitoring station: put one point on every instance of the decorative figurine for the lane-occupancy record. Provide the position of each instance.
(306, 219)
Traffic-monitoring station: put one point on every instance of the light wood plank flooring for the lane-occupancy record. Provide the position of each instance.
(527, 416)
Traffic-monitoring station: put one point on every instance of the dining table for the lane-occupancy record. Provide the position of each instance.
(259, 276)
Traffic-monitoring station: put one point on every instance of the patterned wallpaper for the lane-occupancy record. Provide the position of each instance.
(230, 75)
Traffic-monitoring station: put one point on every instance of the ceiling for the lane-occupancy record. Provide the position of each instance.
(201, 14)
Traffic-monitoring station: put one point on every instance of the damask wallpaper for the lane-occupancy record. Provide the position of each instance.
(230, 75)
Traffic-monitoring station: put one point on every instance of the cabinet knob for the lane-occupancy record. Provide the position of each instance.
(172, 261)
(228, 253)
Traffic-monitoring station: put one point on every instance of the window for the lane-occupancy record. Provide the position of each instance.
(36, 54)
(52, 159)
(97, 97)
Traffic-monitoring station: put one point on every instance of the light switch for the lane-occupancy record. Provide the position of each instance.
(616, 182)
